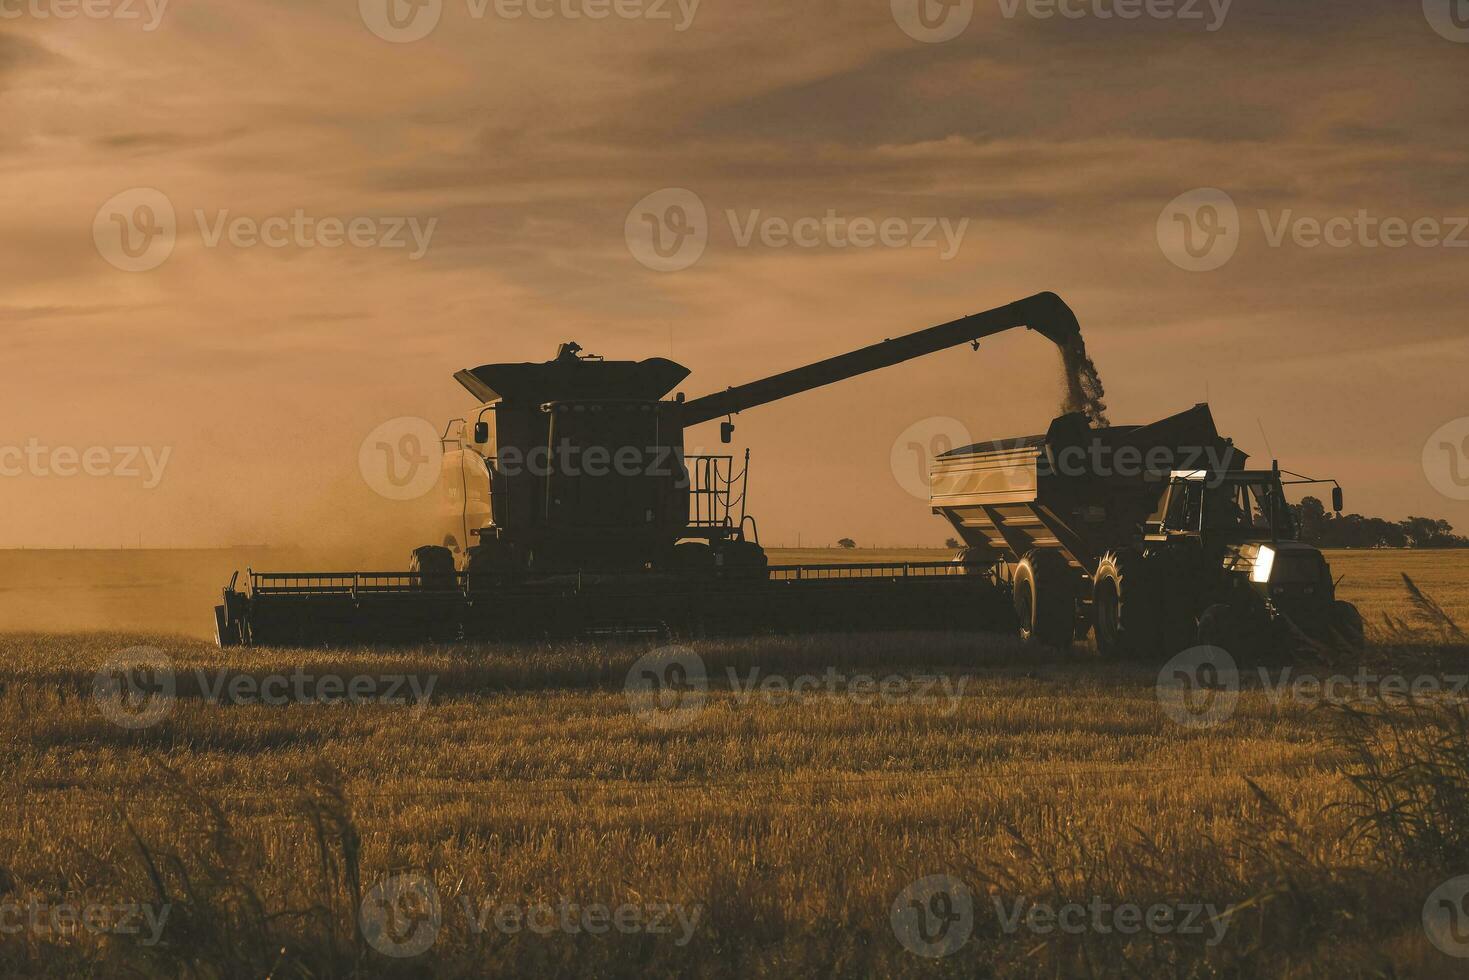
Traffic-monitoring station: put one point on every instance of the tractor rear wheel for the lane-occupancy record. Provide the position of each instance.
(1044, 591)
(1127, 605)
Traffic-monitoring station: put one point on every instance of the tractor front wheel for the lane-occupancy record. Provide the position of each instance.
(1127, 606)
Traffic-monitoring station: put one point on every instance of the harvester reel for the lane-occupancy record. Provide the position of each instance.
(1128, 606)
(1044, 591)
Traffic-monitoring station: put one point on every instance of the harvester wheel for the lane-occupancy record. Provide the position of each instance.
(1127, 606)
(434, 566)
(1347, 627)
(1044, 590)
(691, 557)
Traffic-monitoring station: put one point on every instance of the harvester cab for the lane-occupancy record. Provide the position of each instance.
(584, 469)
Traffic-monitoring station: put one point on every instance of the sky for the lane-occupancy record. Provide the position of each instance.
(237, 238)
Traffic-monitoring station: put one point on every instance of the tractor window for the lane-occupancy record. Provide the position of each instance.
(1298, 568)
(1264, 502)
(1184, 502)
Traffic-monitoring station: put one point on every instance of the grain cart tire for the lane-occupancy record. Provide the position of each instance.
(434, 566)
(1044, 591)
(1127, 606)
(1347, 627)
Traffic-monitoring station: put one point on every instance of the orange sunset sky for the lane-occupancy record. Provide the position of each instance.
(1056, 142)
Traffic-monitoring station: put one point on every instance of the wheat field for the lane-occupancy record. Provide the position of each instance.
(520, 810)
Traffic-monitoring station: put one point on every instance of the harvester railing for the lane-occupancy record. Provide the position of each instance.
(716, 490)
(905, 569)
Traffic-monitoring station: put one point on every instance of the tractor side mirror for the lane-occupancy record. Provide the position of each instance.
(1336, 499)
(482, 434)
(726, 431)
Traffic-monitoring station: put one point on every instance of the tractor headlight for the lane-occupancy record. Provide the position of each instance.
(1264, 564)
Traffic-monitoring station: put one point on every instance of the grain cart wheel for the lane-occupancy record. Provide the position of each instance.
(1346, 626)
(1127, 606)
(434, 566)
(1044, 590)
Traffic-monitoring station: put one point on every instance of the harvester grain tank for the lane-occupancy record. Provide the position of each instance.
(597, 520)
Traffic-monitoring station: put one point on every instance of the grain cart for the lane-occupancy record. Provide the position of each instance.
(1157, 536)
(588, 517)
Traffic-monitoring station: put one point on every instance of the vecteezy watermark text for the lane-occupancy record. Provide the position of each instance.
(936, 21)
(669, 687)
(935, 916)
(669, 230)
(147, 13)
(137, 230)
(406, 21)
(1103, 918)
(138, 687)
(403, 914)
(68, 918)
(571, 917)
(1201, 230)
(1200, 687)
(35, 459)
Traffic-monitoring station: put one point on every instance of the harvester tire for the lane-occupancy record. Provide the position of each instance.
(1044, 591)
(1347, 627)
(1127, 606)
(434, 566)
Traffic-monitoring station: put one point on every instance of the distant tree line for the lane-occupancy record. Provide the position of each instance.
(1326, 530)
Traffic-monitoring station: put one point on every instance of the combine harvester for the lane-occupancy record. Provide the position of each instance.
(577, 513)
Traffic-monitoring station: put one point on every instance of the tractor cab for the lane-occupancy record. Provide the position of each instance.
(1255, 570)
(1232, 506)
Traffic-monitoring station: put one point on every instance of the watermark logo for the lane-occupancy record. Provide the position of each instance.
(1100, 916)
(71, 917)
(1200, 687)
(934, 916)
(862, 689)
(1446, 917)
(668, 230)
(933, 21)
(401, 459)
(136, 230)
(913, 452)
(570, 917)
(1210, 13)
(35, 459)
(135, 688)
(1450, 18)
(1446, 459)
(667, 688)
(1199, 231)
(401, 915)
(147, 12)
(401, 21)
